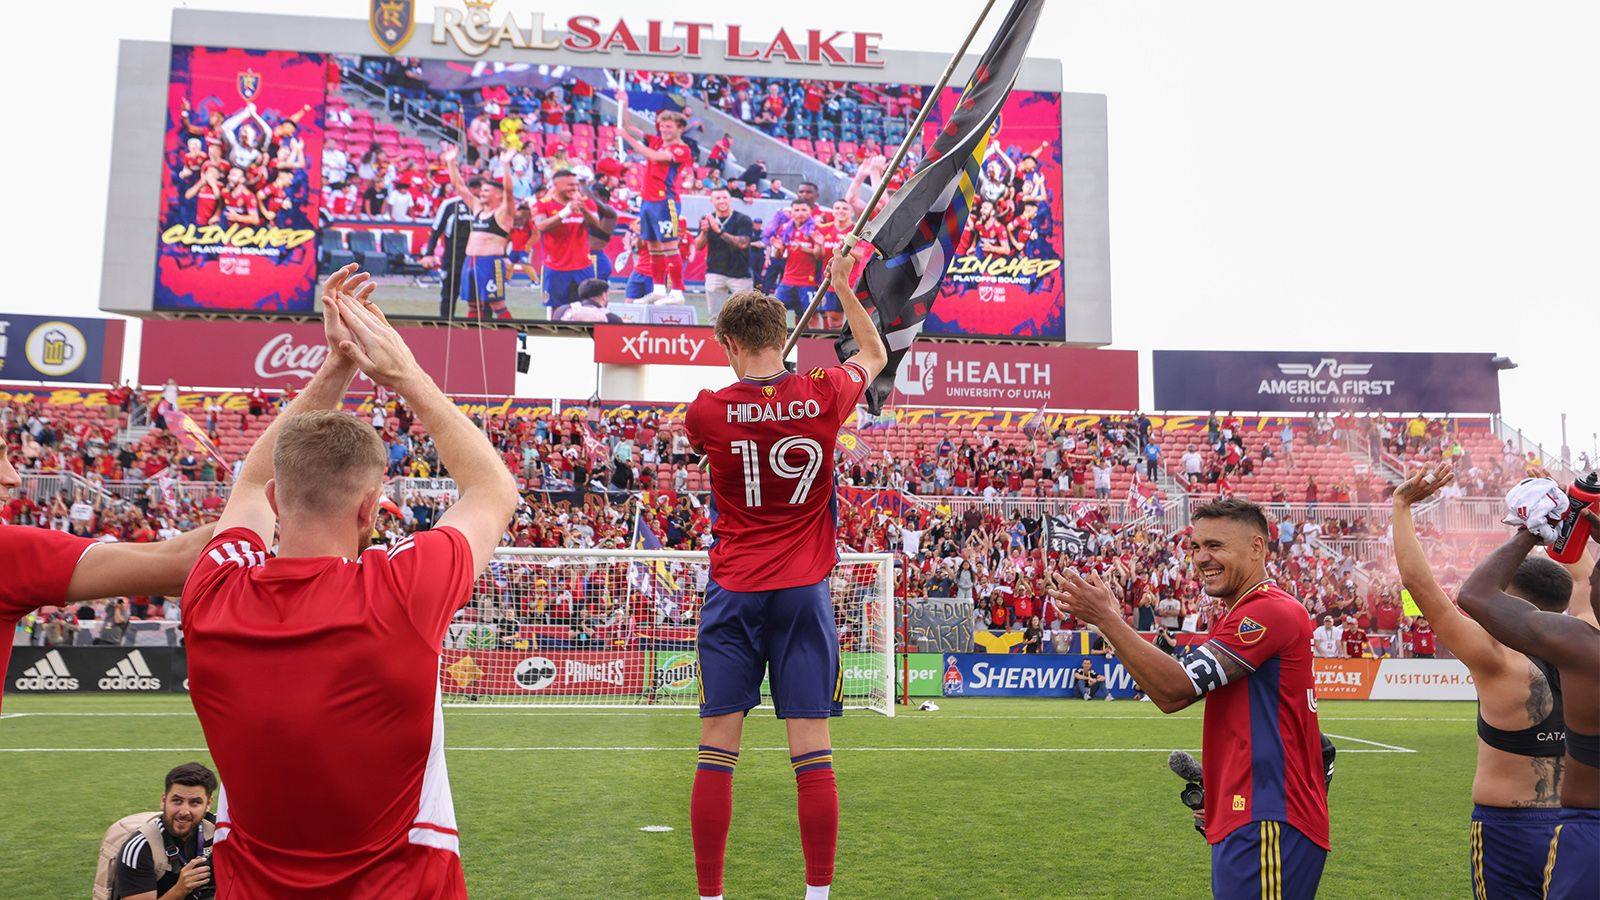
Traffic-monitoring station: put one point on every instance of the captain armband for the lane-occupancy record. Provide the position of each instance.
(1204, 670)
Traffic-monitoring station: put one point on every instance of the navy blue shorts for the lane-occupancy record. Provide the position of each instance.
(1572, 867)
(561, 288)
(1507, 851)
(830, 303)
(484, 280)
(789, 634)
(639, 286)
(658, 220)
(794, 297)
(602, 265)
(1266, 859)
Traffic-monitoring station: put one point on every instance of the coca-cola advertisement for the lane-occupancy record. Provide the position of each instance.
(251, 354)
(544, 672)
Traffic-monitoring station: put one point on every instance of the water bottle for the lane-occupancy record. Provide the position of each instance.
(1573, 534)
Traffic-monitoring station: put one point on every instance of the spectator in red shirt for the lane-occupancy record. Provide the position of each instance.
(1355, 638)
(1422, 638)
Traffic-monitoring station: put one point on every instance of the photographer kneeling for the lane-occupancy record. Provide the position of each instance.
(167, 858)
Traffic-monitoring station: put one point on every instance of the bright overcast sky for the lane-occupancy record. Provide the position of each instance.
(1394, 175)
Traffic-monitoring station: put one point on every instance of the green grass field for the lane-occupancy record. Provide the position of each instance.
(984, 798)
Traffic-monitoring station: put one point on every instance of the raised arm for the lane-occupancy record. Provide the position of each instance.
(1465, 638)
(247, 502)
(1583, 605)
(871, 354)
(457, 184)
(488, 492)
(1554, 637)
(606, 212)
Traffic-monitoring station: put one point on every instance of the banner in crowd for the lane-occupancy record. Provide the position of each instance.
(241, 181)
(40, 348)
(96, 670)
(1064, 536)
(941, 624)
(1394, 679)
(1326, 381)
(638, 345)
(937, 373)
(1019, 675)
(284, 355)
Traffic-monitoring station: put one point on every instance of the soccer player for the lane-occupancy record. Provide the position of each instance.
(322, 662)
(769, 438)
(1570, 643)
(45, 567)
(494, 212)
(562, 219)
(832, 235)
(802, 244)
(665, 154)
(1266, 808)
(1516, 789)
(599, 192)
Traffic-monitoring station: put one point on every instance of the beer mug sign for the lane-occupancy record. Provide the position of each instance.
(56, 349)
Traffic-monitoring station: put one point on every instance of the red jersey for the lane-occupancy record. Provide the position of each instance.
(800, 264)
(38, 564)
(274, 199)
(770, 444)
(328, 666)
(240, 202)
(1262, 746)
(566, 246)
(193, 161)
(1355, 641)
(1422, 639)
(661, 179)
(208, 201)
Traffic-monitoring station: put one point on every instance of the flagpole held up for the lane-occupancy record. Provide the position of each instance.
(913, 133)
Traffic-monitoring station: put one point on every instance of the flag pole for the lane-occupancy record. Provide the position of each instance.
(912, 133)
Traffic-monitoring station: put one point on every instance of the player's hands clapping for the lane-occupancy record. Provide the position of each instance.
(373, 344)
(1424, 484)
(1087, 599)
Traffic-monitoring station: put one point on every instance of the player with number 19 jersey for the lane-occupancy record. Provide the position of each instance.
(770, 443)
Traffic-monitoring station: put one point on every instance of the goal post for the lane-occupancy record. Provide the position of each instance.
(616, 628)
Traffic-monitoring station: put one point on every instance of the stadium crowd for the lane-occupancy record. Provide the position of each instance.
(599, 481)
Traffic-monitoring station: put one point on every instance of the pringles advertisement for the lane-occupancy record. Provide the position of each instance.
(1006, 279)
(241, 179)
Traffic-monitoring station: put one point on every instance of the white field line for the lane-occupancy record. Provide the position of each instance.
(1389, 747)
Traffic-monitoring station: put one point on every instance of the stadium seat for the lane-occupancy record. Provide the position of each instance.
(803, 145)
(365, 248)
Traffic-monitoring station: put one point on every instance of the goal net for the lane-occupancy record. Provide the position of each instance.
(610, 628)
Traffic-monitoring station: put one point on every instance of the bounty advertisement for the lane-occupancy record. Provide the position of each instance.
(241, 174)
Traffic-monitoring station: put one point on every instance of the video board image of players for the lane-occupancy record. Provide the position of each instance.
(238, 213)
(1006, 279)
(389, 200)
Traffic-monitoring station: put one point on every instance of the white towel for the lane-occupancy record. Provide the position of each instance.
(1537, 504)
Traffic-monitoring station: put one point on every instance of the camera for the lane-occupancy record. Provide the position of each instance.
(209, 889)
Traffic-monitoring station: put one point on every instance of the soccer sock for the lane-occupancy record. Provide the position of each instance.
(658, 270)
(499, 310)
(710, 812)
(674, 269)
(819, 814)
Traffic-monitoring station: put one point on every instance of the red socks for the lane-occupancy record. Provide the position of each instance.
(674, 269)
(710, 811)
(819, 813)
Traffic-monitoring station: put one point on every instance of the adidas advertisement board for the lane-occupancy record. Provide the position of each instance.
(95, 670)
